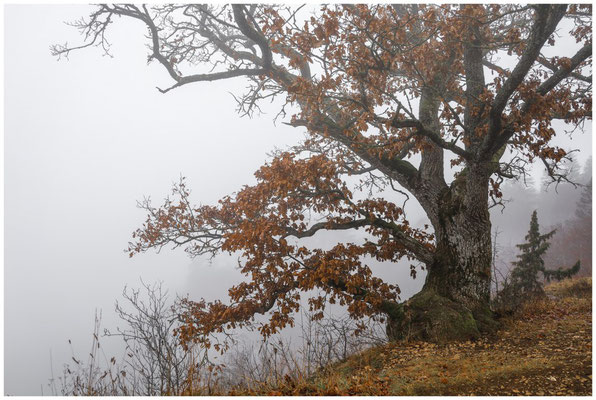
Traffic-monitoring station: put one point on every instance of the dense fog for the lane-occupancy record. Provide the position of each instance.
(88, 137)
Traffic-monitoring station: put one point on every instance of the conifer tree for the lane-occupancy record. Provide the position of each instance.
(584, 205)
(525, 277)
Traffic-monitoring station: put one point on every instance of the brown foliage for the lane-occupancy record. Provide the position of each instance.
(374, 85)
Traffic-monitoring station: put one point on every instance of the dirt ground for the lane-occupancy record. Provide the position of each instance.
(544, 350)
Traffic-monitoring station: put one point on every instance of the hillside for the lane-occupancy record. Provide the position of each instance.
(545, 349)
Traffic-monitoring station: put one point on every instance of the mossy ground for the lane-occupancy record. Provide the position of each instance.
(545, 349)
(430, 317)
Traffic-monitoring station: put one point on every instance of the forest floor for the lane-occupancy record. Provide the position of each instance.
(544, 350)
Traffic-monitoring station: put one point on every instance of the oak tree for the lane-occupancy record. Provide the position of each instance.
(441, 103)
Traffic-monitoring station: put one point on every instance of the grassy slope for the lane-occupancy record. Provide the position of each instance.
(544, 350)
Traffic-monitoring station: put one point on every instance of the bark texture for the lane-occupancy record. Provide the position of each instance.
(454, 302)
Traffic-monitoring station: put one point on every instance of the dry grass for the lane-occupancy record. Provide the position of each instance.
(580, 287)
(545, 349)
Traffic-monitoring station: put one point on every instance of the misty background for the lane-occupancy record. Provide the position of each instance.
(88, 137)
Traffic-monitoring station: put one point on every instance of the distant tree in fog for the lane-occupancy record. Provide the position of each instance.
(573, 239)
(556, 212)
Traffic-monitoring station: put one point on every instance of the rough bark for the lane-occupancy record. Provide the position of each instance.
(454, 302)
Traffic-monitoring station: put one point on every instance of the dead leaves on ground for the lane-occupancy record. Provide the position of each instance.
(546, 351)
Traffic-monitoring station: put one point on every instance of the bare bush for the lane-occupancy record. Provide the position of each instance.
(98, 376)
(335, 338)
(154, 362)
(158, 363)
(278, 359)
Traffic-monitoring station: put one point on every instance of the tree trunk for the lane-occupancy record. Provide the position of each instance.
(454, 303)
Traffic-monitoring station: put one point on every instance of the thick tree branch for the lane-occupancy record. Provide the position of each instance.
(144, 16)
(421, 252)
(560, 74)
(475, 85)
(400, 170)
(564, 71)
(435, 137)
(545, 22)
(327, 226)
(253, 34)
(554, 68)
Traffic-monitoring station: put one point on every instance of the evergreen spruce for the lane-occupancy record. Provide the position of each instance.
(525, 275)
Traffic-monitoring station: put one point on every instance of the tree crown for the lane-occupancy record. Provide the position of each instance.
(387, 94)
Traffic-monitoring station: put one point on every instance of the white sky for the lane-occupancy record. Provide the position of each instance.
(84, 139)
